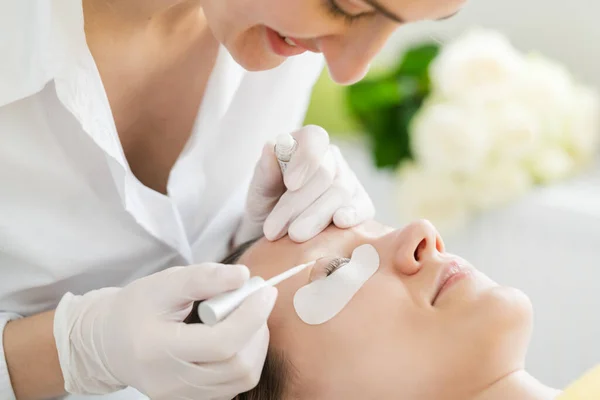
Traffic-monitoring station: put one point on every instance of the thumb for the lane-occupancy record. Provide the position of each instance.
(313, 143)
(266, 186)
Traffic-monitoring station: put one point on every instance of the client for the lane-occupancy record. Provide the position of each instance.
(409, 333)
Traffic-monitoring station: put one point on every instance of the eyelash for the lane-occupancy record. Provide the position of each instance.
(338, 12)
(335, 264)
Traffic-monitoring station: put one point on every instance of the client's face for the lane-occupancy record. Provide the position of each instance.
(399, 336)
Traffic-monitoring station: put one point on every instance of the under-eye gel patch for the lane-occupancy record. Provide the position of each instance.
(323, 299)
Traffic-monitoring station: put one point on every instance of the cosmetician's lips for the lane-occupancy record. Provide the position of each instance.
(280, 47)
(305, 44)
(451, 273)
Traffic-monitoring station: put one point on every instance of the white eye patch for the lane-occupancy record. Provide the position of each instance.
(323, 299)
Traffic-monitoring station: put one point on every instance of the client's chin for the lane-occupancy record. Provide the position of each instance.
(502, 322)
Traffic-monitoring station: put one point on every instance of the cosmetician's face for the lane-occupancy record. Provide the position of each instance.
(399, 336)
(348, 32)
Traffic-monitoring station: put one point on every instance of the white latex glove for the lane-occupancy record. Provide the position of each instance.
(112, 338)
(321, 188)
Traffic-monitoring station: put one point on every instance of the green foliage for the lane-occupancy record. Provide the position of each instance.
(384, 106)
(416, 61)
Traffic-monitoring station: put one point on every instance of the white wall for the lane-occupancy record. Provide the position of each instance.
(567, 31)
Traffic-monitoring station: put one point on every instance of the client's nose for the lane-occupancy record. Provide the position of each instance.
(417, 243)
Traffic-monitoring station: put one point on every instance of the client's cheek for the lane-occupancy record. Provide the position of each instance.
(283, 312)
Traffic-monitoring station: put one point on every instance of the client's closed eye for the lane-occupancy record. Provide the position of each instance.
(327, 266)
(335, 264)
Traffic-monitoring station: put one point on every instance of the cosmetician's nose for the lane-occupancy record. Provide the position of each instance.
(417, 243)
(350, 53)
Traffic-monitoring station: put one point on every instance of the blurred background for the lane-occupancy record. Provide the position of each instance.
(545, 240)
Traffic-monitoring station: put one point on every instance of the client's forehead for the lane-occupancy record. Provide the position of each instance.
(267, 258)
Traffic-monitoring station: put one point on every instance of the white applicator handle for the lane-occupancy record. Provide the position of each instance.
(214, 310)
(285, 147)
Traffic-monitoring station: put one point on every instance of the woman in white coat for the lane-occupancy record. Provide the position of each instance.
(129, 130)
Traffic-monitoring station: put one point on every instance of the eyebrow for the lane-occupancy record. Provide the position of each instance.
(396, 18)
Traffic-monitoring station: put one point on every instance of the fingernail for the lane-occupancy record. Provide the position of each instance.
(345, 217)
(274, 225)
(271, 229)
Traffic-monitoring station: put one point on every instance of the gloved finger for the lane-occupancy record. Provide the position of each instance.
(360, 209)
(241, 372)
(235, 388)
(247, 365)
(292, 204)
(192, 376)
(266, 185)
(319, 215)
(265, 189)
(200, 343)
(181, 286)
(313, 143)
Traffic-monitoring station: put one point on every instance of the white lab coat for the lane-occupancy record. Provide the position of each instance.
(72, 215)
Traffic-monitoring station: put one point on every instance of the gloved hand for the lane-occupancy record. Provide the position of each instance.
(321, 188)
(112, 338)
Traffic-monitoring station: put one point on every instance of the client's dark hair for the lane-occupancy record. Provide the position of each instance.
(275, 372)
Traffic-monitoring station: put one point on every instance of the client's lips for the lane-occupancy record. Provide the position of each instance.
(448, 275)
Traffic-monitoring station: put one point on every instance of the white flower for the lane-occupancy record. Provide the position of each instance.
(546, 89)
(480, 64)
(436, 197)
(494, 124)
(550, 164)
(449, 137)
(583, 125)
(498, 184)
(514, 128)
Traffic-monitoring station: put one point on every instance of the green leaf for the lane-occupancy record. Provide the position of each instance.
(405, 117)
(416, 61)
(384, 139)
(372, 95)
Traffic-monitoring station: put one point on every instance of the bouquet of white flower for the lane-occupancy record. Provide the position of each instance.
(494, 123)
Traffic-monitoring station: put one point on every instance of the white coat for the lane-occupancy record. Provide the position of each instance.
(73, 217)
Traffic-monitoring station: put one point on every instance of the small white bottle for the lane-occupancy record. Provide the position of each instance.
(285, 147)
